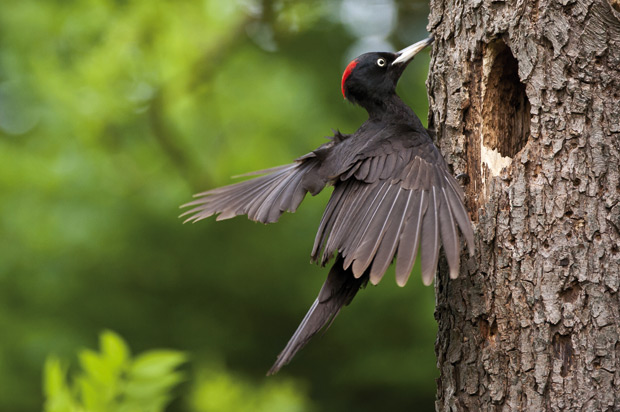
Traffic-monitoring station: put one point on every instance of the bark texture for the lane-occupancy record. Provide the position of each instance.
(525, 99)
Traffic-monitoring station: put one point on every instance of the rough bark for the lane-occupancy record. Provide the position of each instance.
(525, 100)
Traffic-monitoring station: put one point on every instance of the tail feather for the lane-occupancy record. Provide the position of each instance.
(338, 290)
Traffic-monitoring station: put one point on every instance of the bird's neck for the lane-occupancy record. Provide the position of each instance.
(390, 109)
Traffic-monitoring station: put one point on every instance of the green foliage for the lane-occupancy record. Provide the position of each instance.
(221, 392)
(112, 381)
(112, 113)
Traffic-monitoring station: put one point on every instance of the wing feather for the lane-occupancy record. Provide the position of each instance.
(410, 238)
(460, 214)
(449, 236)
(375, 230)
(430, 240)
(385, 252)
(394, 198)
(340, 228)
(359, 220)
(362, 172)
(263, 198)
(326, 223)
(353, 254)
(394, 203)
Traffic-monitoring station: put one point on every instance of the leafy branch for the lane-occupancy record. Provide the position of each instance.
(111, 380)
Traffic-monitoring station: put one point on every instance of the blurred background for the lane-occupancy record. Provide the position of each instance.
(112, 114)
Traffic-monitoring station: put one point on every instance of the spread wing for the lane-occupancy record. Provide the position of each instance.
(397, 197)
(263, 199)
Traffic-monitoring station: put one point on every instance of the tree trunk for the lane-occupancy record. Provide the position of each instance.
(525, 100)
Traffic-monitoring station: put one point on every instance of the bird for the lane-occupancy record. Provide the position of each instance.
(393, 195)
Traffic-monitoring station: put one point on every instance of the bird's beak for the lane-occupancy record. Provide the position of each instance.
(406, 54)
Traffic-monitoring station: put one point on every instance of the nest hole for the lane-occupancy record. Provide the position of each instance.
(506, 109)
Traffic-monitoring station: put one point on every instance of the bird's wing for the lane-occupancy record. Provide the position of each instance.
(263, 199)
(396, 197)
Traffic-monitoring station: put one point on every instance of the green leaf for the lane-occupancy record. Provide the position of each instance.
(114, 349)
(110, 381)
(57, 393)
(156, 363)
(53, 377)
(95, 367)
(219, 391)
(93, 398)
(147, 388)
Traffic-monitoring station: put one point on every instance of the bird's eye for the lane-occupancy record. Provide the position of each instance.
(381, 62)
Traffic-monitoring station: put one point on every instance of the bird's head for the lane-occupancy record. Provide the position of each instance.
(372, 77)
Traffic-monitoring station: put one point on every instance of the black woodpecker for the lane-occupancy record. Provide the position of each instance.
(393, 196)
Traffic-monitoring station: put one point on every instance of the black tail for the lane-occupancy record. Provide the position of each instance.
(338, 290)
